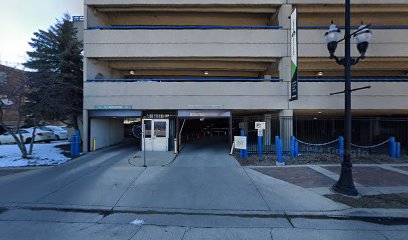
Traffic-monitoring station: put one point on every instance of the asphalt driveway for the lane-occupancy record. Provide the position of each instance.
(203, 178)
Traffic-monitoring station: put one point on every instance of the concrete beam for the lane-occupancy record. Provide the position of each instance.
(184, 2)
(188, 65)
(331, 2)
(200, 9)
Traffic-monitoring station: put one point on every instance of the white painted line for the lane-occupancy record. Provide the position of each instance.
(393, 169)
(325, 172)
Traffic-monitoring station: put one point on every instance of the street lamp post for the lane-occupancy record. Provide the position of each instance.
(345, 184)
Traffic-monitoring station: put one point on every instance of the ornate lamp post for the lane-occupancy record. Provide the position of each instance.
(362, 36)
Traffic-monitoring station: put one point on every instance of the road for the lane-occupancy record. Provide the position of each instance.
(203, 194)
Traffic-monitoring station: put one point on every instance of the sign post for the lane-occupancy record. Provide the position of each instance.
(260, 126)
(144, 144)
(294, 56)
(260, 142)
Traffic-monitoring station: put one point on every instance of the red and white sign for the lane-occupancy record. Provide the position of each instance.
(260, 125)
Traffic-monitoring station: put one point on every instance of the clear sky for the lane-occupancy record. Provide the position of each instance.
(19, 19)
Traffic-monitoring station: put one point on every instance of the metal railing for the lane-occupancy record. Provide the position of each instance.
(390, 27)
(367, 131)
(185, 80)
(316, 79)
(274, 79)
(166, 27)
(186, 27)
(248, 122)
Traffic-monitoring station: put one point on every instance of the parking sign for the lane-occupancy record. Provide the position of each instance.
(260, 125)
(240, 142)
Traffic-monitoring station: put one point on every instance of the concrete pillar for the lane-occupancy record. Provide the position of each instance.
(94, 18)
(85, 131)
(285, 65)
(286, 127)
(285, 70)
(285, 74)
(246, 125)
(376, 127)
(94, 68)
(283, 16)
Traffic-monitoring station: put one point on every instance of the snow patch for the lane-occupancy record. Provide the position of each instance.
(43, 155)
(138, 222)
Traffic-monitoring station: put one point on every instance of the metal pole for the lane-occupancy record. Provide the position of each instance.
(144, 145)
(231, 141)
(345, 184)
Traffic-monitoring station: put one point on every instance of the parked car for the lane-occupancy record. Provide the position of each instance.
(59, 132)
(7, 138)
(40, 136)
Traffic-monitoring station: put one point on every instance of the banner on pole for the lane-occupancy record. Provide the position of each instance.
(294, 56)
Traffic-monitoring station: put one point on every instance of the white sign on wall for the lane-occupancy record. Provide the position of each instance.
(240, 142)
(260, 125)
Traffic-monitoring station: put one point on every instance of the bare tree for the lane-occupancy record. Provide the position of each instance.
(40, 102)
(13, 92)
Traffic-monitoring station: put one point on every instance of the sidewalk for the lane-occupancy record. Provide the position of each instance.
(375, 182)
(385, 178)
(45, 224)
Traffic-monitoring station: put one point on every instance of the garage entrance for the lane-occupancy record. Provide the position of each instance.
(201, 127)
(111, 127)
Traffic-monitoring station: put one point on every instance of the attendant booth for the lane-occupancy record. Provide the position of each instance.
(156, 135)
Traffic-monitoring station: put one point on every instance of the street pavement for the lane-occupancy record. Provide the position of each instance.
(202, 194)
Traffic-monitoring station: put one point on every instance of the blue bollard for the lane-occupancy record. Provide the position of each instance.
(260, 146)
(392, 147)
(296, 149)
(292, 146)
(75, 146)
(246, 150)
(279, 150)
(341, 146)
(78, 141)
(398, 150)
(72, 145)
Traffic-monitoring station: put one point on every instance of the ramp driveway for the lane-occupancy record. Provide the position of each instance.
(202, 178)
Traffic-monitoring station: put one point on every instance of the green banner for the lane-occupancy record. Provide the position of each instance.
(294, 56)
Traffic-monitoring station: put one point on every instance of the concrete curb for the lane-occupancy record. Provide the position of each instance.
(339, 214)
